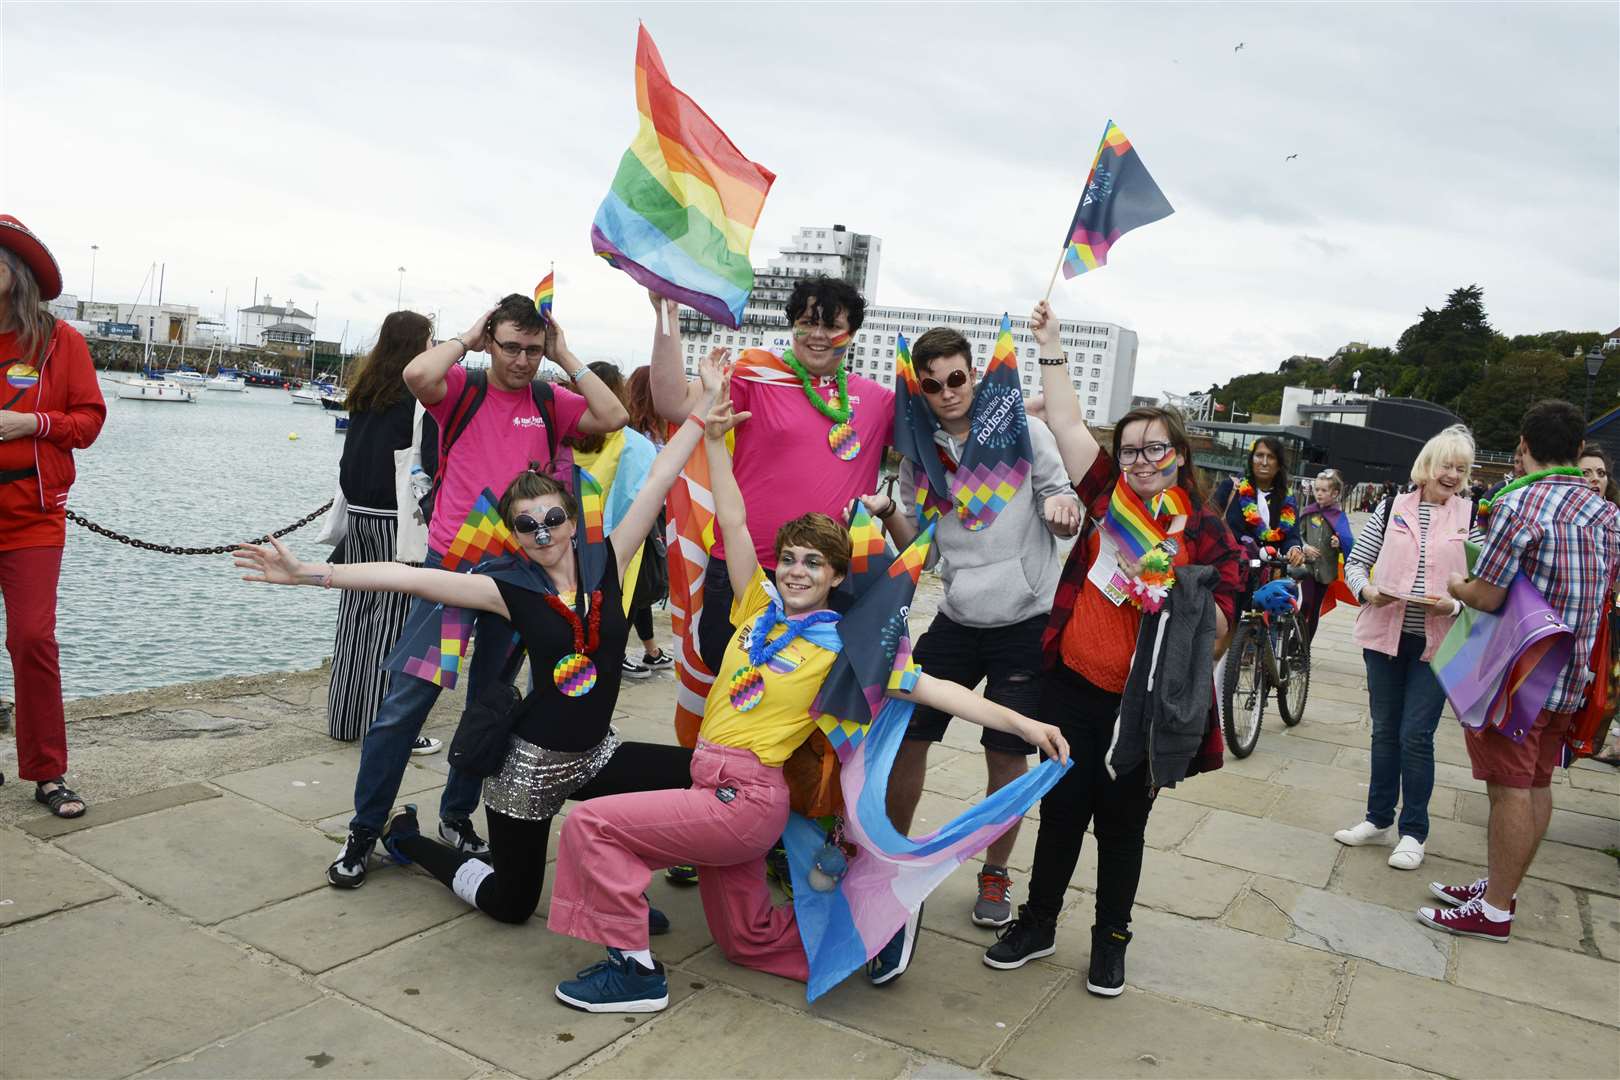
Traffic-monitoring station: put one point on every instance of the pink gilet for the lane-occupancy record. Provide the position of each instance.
(1379, 628)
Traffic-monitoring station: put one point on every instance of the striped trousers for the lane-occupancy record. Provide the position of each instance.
(368, 627)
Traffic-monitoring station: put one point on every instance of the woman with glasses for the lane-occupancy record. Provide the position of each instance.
(1596, 468)
(563, 745)
(1324, 536)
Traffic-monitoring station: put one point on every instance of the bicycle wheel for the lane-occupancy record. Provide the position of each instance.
(1243, 694)
(1294, 663)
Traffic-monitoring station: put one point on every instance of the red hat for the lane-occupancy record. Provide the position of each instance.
(14, 236)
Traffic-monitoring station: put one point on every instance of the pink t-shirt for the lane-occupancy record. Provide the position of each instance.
(784, 463)
(505, 434)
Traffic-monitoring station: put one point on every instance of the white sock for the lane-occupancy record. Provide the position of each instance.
(640, 956)
(1494, 914)
(470, 875)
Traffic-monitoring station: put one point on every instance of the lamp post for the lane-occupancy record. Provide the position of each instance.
(93, 249)
(399, 296)
(1594, 364)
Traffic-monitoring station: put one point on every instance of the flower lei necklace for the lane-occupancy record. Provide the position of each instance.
(747, 688)
(1250, 508)
(841, 436)
(1524, 481)
(575, 673)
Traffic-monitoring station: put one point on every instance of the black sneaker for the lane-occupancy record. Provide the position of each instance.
(348, 870)
(1026, 938)
(662, 662)
(401, 826)
(460, 835)
(682, 874)
(1107, 975)
(425, 744)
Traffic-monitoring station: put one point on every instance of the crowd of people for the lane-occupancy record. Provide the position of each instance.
(1065, 645)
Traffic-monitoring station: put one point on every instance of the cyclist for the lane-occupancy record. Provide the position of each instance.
(1259, 508)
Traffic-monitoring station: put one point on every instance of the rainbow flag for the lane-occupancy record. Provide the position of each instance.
(1498, 668)
(544, 294)
(483, 535)
(680, 215)
(590, 506)
(1120, 196)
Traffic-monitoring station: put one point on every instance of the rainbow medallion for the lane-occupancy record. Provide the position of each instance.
(747, 688)
(574, 674)
(844, 442)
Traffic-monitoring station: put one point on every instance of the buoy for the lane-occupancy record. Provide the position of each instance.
(292, 436)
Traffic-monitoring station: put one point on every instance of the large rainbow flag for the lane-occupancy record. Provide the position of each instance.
(1498, 668)
(680, 215)
(1120, 196)
(890, 875)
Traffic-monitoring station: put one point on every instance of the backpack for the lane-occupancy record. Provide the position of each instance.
(472, 396)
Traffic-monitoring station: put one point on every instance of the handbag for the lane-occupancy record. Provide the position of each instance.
(652, 583)
(484, 734)
(335, 527)
(410, 527)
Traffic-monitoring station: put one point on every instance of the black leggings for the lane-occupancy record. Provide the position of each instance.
(1117, 808)
(642, 618)
(517, 848)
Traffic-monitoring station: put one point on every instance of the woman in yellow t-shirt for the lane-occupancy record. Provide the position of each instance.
(757, 714)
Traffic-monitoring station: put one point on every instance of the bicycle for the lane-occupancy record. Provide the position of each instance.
(1269, 650)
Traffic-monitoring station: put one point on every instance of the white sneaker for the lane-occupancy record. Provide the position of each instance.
(1408, 854)
(1365, 833)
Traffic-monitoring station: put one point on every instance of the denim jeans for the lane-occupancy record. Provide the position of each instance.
(1406, 701)
(387, 746)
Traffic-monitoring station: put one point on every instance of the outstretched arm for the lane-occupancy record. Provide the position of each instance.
(638, 520)
(729, 511)
(1077, 446)
(673, 395)
(953, 699)
(276, 565)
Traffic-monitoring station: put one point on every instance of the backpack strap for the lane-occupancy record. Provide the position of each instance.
(545, 400)
(461, 414)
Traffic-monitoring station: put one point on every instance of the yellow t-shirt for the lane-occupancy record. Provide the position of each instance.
(775, 727)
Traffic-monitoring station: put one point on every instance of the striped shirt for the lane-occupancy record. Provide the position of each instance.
(1370, 541)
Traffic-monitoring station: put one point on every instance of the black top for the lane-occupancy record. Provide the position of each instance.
(548, 717)
(366, 470)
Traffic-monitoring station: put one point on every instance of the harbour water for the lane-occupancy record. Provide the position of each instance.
(198, 475)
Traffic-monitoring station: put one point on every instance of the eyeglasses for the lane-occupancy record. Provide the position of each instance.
(954, 380)
(1152, 453)
(512, 348)
(554, 518)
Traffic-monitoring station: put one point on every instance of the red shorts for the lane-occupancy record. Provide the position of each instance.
(1499, 760)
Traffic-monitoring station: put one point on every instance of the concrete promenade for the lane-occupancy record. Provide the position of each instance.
(184, 927)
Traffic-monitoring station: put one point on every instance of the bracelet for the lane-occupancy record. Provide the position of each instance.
(463, 344)
(1053, 361)
(584, 370)
(702, 423)
(885, 515)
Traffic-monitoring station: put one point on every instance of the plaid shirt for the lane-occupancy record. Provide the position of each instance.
(1566, 539)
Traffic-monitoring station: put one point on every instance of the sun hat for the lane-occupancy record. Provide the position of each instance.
(15, 236)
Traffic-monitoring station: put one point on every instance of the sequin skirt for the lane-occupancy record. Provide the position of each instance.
(534, 782)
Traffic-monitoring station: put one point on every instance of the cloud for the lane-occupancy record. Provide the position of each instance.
(307, 283)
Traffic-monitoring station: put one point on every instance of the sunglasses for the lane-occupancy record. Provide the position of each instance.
(524, 523)
(955, 380)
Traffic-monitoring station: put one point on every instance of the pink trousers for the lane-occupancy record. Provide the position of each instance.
(723, 824)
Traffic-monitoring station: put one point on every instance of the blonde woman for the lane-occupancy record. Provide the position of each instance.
(1405, 552)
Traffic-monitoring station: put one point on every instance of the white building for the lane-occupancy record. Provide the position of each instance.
(162, 324)
(834, 252)
(252, 322)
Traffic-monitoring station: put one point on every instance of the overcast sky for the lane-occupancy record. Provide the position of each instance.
(320, 147)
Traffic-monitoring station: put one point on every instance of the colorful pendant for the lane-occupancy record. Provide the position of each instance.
(844, 442)
(574, 674)
(747, 688)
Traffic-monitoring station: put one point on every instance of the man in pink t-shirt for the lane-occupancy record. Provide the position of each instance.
(793, 456)
(504, 434)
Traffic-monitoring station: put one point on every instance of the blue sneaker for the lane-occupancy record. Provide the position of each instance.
(617, 984)
(891, 962)
(401, 825)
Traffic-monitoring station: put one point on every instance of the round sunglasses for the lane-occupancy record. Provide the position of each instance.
(954, 380)
(554, 518)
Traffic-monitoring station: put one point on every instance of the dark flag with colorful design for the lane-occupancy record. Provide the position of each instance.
(1120, 196)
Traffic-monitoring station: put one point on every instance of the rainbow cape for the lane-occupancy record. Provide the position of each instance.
(680, 215)
(1120, 196)
(997, 457)
(544, 293)
(890, 875)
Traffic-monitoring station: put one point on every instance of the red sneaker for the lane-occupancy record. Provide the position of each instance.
(1461, 894)
(1469, 920)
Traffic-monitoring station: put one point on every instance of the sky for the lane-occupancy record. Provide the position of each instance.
(318, 148)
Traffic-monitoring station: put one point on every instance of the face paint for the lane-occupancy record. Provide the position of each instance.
(839, 343)
(1169, 466)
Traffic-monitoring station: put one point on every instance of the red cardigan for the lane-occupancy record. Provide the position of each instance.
(70, 411)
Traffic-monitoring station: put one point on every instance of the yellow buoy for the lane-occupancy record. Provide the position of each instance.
(292, 436)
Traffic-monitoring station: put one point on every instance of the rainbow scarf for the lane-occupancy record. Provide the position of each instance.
(680, 215)
(997, 457)
(1132, 526)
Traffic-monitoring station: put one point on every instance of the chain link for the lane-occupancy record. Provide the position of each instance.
(168, 549)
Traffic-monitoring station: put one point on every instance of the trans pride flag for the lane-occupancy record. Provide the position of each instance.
(680, 215)
(1498, 668)
(1119, 196)
(890, 875)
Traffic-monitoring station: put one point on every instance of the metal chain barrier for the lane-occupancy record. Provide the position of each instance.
(168, 549)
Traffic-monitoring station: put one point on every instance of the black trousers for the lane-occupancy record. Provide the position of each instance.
(1117, 808)
(517, 848)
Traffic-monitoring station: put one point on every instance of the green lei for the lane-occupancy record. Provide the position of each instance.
(839, 413)
(1525, 480)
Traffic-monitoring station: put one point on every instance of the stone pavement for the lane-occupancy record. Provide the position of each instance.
(184, 928)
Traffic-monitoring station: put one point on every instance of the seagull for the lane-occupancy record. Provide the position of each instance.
(1290, 157)
(1238, 46)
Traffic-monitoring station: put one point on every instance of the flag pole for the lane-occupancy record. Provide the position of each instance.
(1055, 270)
(663, 317)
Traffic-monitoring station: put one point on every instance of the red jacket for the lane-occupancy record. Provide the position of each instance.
(70, 410)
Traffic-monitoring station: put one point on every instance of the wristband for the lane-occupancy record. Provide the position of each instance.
(584, 369)
(1053, 361)
(887, 514)
(702, 423)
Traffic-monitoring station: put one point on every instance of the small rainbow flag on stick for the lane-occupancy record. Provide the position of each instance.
(544, 293)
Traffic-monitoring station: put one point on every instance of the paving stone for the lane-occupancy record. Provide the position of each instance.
(1585, 801)
(1566, 827)
(1171, 820)
(948, 1004)
(1257, 766)
(487, 988)
(1326, 780)
(957, 773)
(1289, 745)
(1556, 979)
(322, 929)
(209, 860)
(105, 813)
(1224, 791)
(427, 809)
(1172, 882)
(36, 880)
(1456, 1031)
(1605, 924)
(1340, 924)
(1346, 732)
(1265, 847)
(720, 1033)
(146, 987)
(1141, 1035)
(1317, 813)
(683, 904)
(331, 1038)
(1592, 779)
(317, 786)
